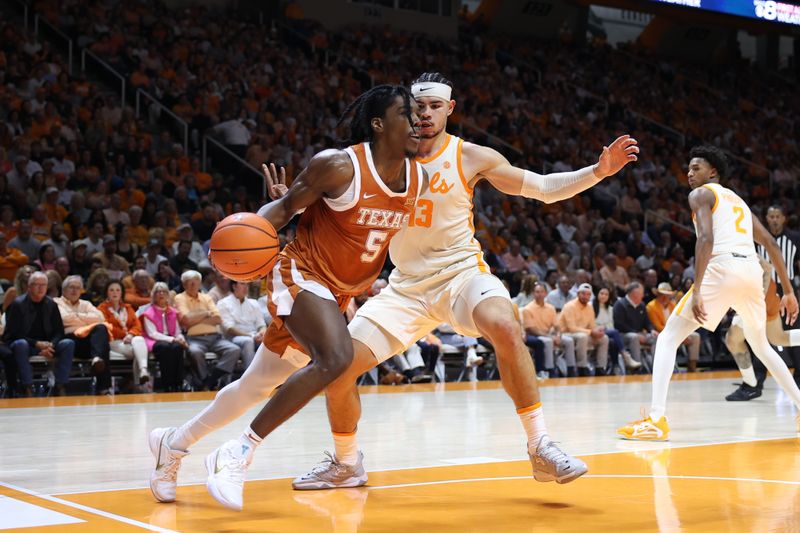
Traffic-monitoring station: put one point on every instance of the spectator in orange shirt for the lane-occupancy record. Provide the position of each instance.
(8, 225)
(54, 211)
(137, 231)
(204, 179)
(10, 259)
(659, 310)
(539, 320)
(130, 195)
(578, 321)
(139, 295)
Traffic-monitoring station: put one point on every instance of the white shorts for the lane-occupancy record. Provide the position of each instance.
(729, 282)
(401, 315)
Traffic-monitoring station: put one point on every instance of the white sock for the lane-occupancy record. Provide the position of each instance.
(749, 376)
(676, 330)
(346, 448)
(266, 372)
(794, 337)
(249, 441)
(532, 419)
(182, 438)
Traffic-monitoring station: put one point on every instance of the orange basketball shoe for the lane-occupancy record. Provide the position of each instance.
(645, 429)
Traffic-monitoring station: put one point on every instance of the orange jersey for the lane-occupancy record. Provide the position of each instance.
(341, 244)
(345, 247)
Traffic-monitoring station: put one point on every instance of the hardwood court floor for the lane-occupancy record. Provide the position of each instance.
(440, 459)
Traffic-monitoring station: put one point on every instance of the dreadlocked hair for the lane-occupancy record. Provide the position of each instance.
(369, 105)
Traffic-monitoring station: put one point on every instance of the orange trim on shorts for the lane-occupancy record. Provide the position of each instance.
(528, 409)
(439, 152)
(684, 300)
(716, 197)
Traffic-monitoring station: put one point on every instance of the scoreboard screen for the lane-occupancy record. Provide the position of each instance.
(767, 10)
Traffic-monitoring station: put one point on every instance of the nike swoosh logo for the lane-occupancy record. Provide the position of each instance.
(425, 89)
(489, 290)
(217, 469)
(160, 447)
(368, 196)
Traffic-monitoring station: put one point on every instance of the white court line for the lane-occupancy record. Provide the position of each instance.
(653, 446)
(593, 476)
(92, 510)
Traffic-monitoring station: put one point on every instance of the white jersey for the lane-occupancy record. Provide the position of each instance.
(732, 223)
(440, 232)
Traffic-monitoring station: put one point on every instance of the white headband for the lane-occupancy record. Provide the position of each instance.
(432, 88)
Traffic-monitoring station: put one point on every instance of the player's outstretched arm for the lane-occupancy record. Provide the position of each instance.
(329, 173)
(701, 200)
(789, 307)
(554, 187)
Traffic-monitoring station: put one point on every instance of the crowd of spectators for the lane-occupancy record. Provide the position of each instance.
(90, 193)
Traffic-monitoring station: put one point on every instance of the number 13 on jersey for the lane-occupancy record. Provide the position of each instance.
(422, 215)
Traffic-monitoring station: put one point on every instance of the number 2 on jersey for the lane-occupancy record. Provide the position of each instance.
(374, 243)
(740, 212)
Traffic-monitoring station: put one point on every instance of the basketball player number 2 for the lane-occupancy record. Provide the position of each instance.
(740, 212)
(374, 244)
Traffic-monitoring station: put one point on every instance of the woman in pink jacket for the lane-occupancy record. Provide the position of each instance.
(162, 333)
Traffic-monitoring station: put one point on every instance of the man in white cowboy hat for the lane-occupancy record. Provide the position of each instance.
(659, 309)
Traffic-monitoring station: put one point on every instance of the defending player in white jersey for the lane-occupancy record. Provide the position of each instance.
(728, 275)
(441, 277)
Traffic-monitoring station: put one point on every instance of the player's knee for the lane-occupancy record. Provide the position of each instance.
(501, 330)
(335, 361)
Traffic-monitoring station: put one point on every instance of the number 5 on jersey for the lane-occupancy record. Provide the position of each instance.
(374, 244)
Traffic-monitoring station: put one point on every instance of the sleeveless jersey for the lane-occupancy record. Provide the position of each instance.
(732, 223)
(345, 246)
(440, 233)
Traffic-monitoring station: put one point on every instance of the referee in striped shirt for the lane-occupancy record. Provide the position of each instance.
(788, 241)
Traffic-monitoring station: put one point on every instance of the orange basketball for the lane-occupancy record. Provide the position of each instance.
(244, 247)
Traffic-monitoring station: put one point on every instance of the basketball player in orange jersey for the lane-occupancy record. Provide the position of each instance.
(441, 277)
(355, 200)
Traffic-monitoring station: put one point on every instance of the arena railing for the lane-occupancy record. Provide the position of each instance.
(652, 214)
(161, 108)
(672, 131)
(37, 20)
(85, 52)
(491, 137)
(244, 165)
